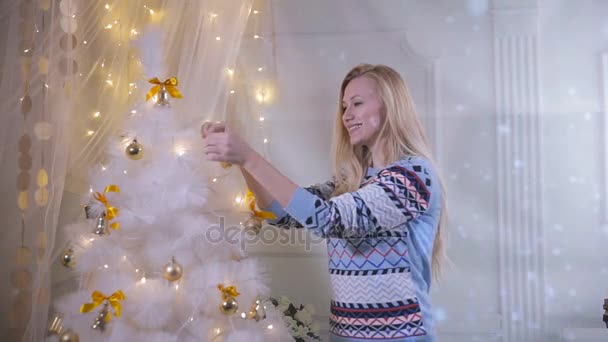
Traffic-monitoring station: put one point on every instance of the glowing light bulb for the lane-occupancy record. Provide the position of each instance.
(96, 114)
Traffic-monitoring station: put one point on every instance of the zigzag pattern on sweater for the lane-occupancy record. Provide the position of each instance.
(359, 254)
(377, 321)
(379, 288)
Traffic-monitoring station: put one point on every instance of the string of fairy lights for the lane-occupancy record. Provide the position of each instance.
(262, 94)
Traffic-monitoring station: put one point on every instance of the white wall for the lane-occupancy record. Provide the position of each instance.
(537, 271)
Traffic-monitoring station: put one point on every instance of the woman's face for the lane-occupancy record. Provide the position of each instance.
(363, 111)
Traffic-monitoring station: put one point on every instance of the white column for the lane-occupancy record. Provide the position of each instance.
(519, 162)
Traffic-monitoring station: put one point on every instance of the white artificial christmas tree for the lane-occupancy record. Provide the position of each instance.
(149, 267)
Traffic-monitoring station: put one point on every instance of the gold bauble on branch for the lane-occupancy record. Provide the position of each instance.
(253, 224)
(135, 150)
(229, 306)
(69, 336)
(67, 258)
(257, 311)
(172, 271)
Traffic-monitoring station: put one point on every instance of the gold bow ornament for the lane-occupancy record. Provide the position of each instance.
(111, 212)
(169, 84)
(98, 298)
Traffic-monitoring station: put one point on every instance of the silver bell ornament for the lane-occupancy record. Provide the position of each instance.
(101, 225)
(257, 310)
(253, 224)
(162, 99)
(101, 319)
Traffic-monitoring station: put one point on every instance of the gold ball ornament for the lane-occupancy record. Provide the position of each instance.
(69, 336)
(253, 224)
(135, 150)
(172, 271)
(67, 258)
(229, 306)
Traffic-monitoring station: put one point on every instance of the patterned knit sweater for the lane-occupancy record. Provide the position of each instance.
(379, 241)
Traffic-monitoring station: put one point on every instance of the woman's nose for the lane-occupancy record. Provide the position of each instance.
(347, 116)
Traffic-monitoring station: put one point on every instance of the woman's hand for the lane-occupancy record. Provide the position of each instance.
(223, 145)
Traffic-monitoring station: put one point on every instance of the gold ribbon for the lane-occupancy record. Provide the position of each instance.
(170, 84)
(99, 298)
(111, 212)
(228, 292)
(264, 215)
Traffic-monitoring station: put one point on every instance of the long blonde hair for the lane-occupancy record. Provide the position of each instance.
(402, 133)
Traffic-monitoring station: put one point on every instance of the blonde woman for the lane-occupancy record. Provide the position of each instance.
(381, 213)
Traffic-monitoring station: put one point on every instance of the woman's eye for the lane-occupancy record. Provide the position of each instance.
(357, 104)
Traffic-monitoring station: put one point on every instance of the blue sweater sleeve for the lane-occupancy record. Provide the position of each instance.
(284, 220)
(398, 194)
